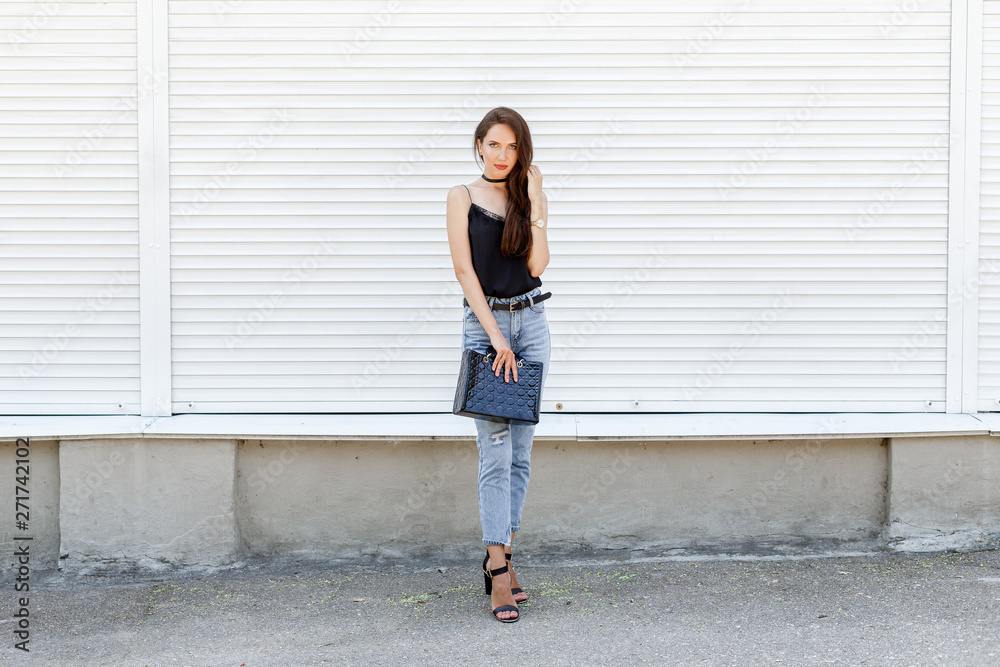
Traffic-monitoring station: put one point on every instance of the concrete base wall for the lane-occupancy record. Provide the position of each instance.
(42, 503)
(945, 492)
(168, 501)
(153, 502)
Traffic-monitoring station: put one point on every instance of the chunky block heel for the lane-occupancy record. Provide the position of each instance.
(487, 579)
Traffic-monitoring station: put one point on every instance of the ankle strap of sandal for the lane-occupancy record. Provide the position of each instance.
(499, 570)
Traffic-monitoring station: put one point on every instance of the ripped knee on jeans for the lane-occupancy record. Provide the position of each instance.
(497, 437)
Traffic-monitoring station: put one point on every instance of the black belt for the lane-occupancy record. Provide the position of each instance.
(515, 305)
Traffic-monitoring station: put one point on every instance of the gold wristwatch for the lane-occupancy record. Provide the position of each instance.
(540, 223)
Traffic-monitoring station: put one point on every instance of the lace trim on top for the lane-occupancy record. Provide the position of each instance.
(490, 213)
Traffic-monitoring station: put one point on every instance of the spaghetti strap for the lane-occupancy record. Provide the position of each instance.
(467, 190)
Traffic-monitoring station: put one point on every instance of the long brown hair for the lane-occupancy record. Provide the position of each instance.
(516, 238)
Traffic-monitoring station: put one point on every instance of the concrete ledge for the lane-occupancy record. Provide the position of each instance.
(991, 420)
(61, 427)
(779, 425)
(554, 427)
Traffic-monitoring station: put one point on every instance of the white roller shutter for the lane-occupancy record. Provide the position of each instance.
(69, 323)
(748, 201)
(989, 236)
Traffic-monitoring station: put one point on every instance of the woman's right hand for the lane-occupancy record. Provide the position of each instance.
(505, 361)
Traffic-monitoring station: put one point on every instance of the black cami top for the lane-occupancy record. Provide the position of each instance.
(499, 276)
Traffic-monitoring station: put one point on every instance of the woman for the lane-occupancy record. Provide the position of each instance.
(496, 232)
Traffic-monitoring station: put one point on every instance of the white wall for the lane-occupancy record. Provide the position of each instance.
(750, 203)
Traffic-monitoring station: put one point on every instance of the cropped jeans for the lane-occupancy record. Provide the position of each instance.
(505, 449)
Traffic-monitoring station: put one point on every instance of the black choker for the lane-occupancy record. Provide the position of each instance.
(495, 180)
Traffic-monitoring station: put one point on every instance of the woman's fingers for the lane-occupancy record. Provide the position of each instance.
(509, 365)
(506, 363)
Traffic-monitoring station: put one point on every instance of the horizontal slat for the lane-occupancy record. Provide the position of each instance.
(662, 391)
(816, 334)
(112, 378)
(581, 309)
(332, 40)
(726, 281)
(428, 348)
(58, 408)
(409, 232)
(628, 12)
(82, 324)
(334, 373)
(600, 405)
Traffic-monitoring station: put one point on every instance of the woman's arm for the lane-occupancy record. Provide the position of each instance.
(461, 257)
(538, 258)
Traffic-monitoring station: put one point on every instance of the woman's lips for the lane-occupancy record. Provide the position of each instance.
(501, 167)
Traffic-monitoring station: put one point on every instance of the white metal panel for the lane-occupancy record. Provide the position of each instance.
(748, 203)
(989, 231)
(963, 212)
(69, 305)
(154, 211)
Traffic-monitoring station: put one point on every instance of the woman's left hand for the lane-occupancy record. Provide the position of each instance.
(534, 184)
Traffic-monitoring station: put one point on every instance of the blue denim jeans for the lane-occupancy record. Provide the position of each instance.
(505, 449)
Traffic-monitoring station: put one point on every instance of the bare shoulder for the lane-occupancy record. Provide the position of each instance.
(459, 195)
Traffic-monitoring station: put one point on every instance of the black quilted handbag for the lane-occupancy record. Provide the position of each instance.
(482, 394)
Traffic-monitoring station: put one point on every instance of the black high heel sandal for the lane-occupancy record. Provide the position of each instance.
(515, 591)
(488, 579)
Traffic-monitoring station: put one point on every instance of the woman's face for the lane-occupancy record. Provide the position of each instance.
(499, 151)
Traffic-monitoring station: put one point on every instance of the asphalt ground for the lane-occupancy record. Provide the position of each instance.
(856, 609)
